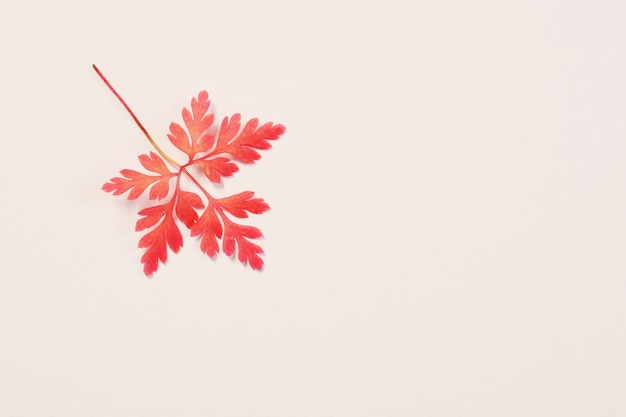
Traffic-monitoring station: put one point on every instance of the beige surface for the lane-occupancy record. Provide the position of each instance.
(448, 225)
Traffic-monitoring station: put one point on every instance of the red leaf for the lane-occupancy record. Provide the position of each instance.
(247, 252)
(228, 130)
(221, 150)
(185, 207)
(157, 240)
(210, 228)
(198, 122)
(250, 138)
(154, 163)
(217, 168)
(137, 182)
(239, 204)
(152, 215)
(240, 146)
(179, 138)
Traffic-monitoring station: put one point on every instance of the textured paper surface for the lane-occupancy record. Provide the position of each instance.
(448, 222)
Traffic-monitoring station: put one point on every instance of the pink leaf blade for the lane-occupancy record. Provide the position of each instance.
(217, 152)
(179, 138)
(244, 146)
(186, 204)
(229, 129)
(240, 204)
(158, 239)
(210, 229)
(136, 183)
(235, 236)
(155, 163)
(216, 168)
(151, 216)
(198, 121)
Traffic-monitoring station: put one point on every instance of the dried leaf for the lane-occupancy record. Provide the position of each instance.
(217, 156)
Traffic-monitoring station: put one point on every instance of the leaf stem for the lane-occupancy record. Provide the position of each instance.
(143, 129)
(195, 181)
(212, 200)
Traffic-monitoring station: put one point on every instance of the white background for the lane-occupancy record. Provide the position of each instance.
(448, 225)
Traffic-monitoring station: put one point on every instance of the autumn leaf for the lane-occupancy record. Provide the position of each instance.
(239, 204)
(241, 145)
(210, 229)
(137, 182)
(216, 153)
(156, 241)
(215, 169)
(248, 252)
(186, 205)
